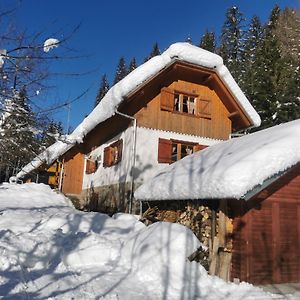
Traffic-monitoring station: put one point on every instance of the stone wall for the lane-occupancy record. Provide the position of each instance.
(109, 199)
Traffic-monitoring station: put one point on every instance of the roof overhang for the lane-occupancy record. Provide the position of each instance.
(262, 191)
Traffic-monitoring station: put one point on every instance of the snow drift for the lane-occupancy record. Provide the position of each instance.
(49, 250)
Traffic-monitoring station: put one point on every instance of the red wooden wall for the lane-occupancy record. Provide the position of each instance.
(266, 240)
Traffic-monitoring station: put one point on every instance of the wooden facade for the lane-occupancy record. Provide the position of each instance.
(73, 168)
(266, 235)
(205, 108)
(215, 125)
(145, 104)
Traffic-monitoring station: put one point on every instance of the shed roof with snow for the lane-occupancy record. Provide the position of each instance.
(117, 94)
(230, 169)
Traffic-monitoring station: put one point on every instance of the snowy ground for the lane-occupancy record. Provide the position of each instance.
(49, 250)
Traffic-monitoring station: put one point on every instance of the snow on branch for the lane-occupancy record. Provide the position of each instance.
(3, 53)
(51, 43)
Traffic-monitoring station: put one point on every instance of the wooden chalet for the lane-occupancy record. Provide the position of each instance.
(249, 190)
(173, 105)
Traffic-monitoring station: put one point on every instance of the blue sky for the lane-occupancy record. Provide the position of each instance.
(111, 29)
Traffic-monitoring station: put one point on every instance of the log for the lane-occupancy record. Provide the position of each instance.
(214, 257)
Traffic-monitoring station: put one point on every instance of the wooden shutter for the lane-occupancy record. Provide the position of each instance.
(119, 145)
(164, 151)
(91, 166)
(107, 157)
(167, 99)
(199, 147)
(204, 107)
(110, 157)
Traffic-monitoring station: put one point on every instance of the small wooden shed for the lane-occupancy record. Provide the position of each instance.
(266, 233)
(256, 181)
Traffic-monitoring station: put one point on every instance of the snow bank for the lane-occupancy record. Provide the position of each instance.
(159, 254)
(229, 169)
(109, 104)
(49, 250)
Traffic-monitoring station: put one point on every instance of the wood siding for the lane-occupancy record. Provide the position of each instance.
(218, 126)
(266, 241)
(73, 172)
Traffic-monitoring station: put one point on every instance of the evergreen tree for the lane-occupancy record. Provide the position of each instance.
(18, 135)
(253, 41)
(231, 49)
(155, 51)
(121, 71)
(208, 41)
(103, 89)
(132, 65)
(287, 32)
(51, 134)
(268, 64)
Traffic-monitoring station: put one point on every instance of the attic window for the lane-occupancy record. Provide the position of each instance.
(113, 154)
(170, 151)
(184, 103)
(178, 102)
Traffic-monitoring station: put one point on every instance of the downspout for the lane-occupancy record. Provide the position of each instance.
(133, 157)
(61, 176)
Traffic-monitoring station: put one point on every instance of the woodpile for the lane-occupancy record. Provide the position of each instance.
(192, 215)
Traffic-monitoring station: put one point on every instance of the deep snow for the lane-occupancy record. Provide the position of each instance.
(49, 250)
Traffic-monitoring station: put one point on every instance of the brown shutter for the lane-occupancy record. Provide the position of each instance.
(166, 99)
(205, 107)
(91, 166)
(119, 145)
(164, 151)
(107, 157)
(200, 147)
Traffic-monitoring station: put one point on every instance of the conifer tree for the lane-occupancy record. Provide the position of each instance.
(265, 99)
(103, 89)
(132, 65)
(18, 134)
(121, 71)
(51, 134)
(249, 77)
(287, 32)
(208, 41)
(231, 48)
(155, 51)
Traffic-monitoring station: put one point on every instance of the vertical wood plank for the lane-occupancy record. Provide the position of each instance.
(276, 238)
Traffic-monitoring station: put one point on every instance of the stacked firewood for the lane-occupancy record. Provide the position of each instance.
(197, 218)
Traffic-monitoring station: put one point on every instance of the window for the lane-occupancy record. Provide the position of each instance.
(181, 149)
(91, 166)
(181, 102)
(184, 103)
(178, 102)
(113, 154)
(170, 151)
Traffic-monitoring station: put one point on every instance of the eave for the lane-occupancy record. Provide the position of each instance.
(263, 190)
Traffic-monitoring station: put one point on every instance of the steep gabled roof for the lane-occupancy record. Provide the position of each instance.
(115, 96)
(230, 169)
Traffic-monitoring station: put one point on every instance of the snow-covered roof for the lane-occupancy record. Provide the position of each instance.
(109, 104)
(229, 169)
